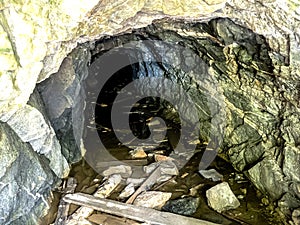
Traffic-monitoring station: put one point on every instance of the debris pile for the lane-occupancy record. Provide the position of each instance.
(158, 194)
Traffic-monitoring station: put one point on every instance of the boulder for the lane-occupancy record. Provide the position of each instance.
(221, 198)
(184, 206)
(25, 180)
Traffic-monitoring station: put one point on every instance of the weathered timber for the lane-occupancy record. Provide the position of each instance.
(150, 181)
(63, 208)
(133, 212)
(103, 191)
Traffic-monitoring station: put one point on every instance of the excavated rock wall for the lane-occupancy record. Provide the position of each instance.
(254, 139)
(260, 83)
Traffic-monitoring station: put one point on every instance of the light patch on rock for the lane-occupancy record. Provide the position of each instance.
(127, 191)
(31, 126)
(135, 181)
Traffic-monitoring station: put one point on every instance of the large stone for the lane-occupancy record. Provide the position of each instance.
(152, 199)
(268, 177)
(61, 94)
(25, 182)
(221, 198)
(33, 127)
(183, 206)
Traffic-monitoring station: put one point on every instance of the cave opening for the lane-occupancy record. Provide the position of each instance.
(185, 91)
(151, 98)
(141, 114)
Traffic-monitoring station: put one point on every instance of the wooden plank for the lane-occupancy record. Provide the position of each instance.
(148, 183)
(63, 208)
(103, 191)
(106, 219)
(133, 212)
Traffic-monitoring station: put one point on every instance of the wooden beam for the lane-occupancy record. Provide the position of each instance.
(63, 208)
(149, 182)
(133, 212)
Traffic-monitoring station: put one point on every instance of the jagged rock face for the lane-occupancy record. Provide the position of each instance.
(62, 92)
(25, 179)
(254, 56)
(37, 36)
(255, 95)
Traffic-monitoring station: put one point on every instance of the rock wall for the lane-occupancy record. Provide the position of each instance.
(256, 102)
(25, 180)
(36, 36)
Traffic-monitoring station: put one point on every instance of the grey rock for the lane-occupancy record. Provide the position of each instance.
(127, 191)
(267, 176)
(32, 127)
(135, 181)
(167, 170)
(211, 174)
(296, 216)
(64, 101)
(152, 199)
(123, 170)
(288, 202)
(221, 198)
(167, 167)
(25, 182)
(185, 206)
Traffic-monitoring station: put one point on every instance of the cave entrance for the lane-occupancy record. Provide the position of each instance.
(145, 100)
(162, 89)
(141, 115)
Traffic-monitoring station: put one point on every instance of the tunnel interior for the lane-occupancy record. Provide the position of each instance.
(140, 115)
(202, 93)
(213, 63)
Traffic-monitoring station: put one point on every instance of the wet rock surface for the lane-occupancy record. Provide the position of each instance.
(254, 56)
(255, 140)
(185, 206)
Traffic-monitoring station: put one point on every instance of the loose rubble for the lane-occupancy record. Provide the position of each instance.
(157, 186)
(123, 170)
(211, 174)
(184, 206)
(152, 199)
(221, 198)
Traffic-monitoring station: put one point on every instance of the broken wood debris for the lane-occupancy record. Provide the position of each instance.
(63, 207)
(103, 191)
(150, 181)
(133, 212)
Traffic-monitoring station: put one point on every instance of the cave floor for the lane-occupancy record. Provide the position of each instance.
(187, 183)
